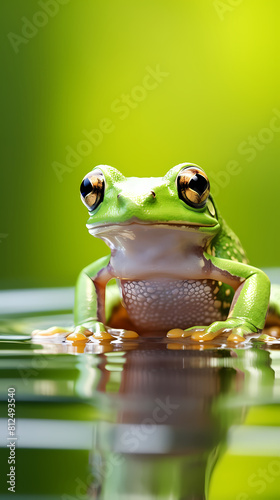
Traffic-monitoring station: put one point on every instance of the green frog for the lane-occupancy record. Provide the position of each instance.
(175, 267)
(178, 267)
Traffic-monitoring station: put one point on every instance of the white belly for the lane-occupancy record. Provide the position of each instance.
(163, 304)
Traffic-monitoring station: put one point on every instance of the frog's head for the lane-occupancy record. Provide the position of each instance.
(180, 199)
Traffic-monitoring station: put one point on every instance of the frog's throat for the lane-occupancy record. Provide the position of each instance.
(158, 249)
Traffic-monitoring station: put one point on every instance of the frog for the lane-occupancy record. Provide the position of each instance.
(174, 265)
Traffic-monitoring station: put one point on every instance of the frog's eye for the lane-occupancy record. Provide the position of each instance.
(193, 186)
(92, 189)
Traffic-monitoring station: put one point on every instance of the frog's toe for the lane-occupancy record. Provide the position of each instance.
(267, 338)
(206, 335)
(175, 333)
(237, 335)
(102, 336)
(189, 332)
(241, 331)
(128, 334)
(52, 331)
(80, 333)
(201, 334)
(105, 334)
(273, 331)
(113, 334)
(98, 331)
(234, 327)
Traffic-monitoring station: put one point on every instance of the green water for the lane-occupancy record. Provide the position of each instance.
(148, 419)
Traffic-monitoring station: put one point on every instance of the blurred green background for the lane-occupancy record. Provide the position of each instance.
(73, 66)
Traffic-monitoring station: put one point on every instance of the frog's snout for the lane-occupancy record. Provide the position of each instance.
(152, 193)
(149, 196)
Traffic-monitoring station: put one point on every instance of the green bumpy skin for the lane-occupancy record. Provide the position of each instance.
(156, 232)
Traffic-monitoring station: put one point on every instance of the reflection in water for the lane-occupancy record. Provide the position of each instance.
(143, 419)
(171, 414)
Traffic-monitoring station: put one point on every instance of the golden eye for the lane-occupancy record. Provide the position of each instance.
(92, 189)
(193, 186)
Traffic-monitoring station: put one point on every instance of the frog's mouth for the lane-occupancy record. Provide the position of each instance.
(96, 229)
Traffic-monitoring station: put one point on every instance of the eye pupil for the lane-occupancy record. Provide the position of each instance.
(86, 187)
(92, 189)
(198, 183)
(193, 186)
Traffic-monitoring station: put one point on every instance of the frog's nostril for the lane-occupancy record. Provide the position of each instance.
(153, 194)
(121, 199)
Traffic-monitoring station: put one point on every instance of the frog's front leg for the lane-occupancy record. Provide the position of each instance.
(89, 310)
(250, 302)
(90, 292)
(95, 303)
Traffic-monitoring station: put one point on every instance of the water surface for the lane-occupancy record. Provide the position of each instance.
(143, 419)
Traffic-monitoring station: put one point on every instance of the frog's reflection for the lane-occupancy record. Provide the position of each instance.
(168, 421)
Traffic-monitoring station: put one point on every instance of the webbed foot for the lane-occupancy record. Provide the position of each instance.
(236, 327)
(93, 330)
